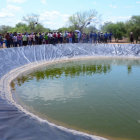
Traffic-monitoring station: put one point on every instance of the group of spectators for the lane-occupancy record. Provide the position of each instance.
(24, 39)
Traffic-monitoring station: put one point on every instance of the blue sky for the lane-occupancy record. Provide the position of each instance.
(54, 13)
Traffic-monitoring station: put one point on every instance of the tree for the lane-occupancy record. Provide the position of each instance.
(80, 20)
(63, 29)
(4, 29)
(107, 27)
(133, 25)
(20, 27)
(32, 21)
(118, 29)
(40, 28)
(33, 24)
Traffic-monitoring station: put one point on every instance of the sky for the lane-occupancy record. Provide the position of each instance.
(54, 14)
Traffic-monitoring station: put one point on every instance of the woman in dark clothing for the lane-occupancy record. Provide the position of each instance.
(131, 37)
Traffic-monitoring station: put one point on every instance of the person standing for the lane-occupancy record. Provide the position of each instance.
(40, 38)
(131, 37)
(15, 40)
(58, 37)
(29, 39)
(19, 39)
(11, 40)
(105, 37)
(7, 37)
(24, 37)
(33, 38)
(99, 37)
(110, 37)
(54, 38)
(1, 41)
(87, 38)
(61, 38)
(67, 37)
(91, 37)
(76, 37)
(51, 40)
(70, 37)
(46, 38)
(36, 39)
(64, 37)
(79, 37)
(95, 37)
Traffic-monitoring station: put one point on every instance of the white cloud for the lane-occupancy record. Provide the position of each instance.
(113, 6)
(13, 8)
(16, 1)
(8, 15)
(53, 19)
(117, 18)
(43, 1)
(5, 14)
(9, 11)
(138, 2)
(50, 19)
(11, 21)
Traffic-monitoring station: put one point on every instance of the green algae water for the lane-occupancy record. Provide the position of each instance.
(100, 97)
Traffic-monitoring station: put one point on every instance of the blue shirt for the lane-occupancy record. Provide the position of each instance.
(90, 35)
(105, 35)
(95, 36)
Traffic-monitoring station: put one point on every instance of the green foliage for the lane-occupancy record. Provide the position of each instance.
(32, 26)
(133, 25)
(71, 71)
(20, 27)
(78, 21)
(118, 29)
(63, 29)
(40, 28)
(107, 27)
(121, 29)
(4, 29)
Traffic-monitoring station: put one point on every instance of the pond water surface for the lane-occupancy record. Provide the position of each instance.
(100, 97)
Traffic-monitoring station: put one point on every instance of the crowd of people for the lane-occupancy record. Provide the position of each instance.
(24, 39)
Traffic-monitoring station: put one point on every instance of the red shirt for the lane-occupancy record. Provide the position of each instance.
(7, 37)
(58, 35)
(70, 35)
(54, 35)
